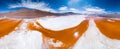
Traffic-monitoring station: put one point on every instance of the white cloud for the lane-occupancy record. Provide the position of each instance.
(87, 10)
(33, 5)
(74, 10)
(66, 9)
(63, 8)
(94, 10)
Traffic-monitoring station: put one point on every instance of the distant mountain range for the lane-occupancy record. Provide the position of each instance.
(114, 15)
(31, 13)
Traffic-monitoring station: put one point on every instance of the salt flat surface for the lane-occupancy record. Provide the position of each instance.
(27, 39)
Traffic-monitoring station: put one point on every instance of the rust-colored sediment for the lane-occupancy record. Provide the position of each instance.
(8, 25)
(66, 36)
(110, 29)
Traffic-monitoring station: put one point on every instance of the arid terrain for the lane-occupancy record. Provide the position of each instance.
(25, 29)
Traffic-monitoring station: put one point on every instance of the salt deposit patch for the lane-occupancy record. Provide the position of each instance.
(63, 22)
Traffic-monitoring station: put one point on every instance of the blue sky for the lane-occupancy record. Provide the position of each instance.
(64, 5)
